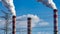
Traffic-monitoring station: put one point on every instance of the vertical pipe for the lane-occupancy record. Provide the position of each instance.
(14, 25)
(55, 21)
(29, 25)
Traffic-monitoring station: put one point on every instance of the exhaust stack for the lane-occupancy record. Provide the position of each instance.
(14, 25)
(29, 25)
(55, 21)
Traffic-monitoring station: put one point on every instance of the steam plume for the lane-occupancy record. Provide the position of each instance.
(48, 3)
(9, 5)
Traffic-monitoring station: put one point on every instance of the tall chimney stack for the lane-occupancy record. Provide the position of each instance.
(14, 25)
(29, 25)
(55, 21)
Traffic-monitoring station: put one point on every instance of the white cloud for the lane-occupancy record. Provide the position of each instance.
(23, 20)
(0, 20)
(43, 33)
(47, 33)
(43, 24)
(39, 33)
(2, 23)
(24, 17)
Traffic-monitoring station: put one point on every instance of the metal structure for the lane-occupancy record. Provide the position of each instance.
(14, 25)
(7, 21)
(6, 17)
(55, 21)
(29, 25)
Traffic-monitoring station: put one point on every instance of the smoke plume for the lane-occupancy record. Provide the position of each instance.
(48, 3)
(9, 5)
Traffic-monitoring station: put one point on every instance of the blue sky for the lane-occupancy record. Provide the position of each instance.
(24, 7)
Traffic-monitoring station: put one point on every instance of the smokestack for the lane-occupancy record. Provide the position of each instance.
(51, 4)
(29, 25)
(10, 6)
(55, 21)
(14, 25)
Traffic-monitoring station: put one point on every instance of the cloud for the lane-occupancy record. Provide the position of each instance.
(2, 22)
(39, 32)
(43, 33)
(43, 24)
(23, 20)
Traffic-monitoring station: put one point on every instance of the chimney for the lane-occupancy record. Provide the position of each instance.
(14, 24)
(29, 25)
(55, 21)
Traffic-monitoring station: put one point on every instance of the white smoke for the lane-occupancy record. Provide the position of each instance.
(9, 5)
(49, 3)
